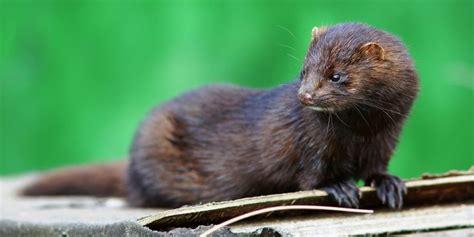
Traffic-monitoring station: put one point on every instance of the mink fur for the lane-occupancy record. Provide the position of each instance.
(225, 142)
(337, 123)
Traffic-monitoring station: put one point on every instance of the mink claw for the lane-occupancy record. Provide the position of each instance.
(390, 190)
(346, 194)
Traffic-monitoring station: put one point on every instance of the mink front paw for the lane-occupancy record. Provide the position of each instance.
(390, 190)
(346, 193)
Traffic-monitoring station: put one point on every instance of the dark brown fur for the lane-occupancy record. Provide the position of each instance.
(97, 180)
(225, 142)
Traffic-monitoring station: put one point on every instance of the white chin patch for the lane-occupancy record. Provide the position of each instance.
(317, 108)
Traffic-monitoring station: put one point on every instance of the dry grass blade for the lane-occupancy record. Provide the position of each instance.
(282, 208)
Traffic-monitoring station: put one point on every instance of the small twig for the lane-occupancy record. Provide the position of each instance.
(282, 208)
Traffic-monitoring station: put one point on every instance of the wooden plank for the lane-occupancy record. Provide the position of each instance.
(469, 232)
(427, 219)
(448, 189)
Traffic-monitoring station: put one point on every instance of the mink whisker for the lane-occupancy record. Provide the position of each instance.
(335, 113)
(287, 30)
(360, 112)
(288, 47)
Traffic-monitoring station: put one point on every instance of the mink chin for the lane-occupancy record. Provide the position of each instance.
(339, 122)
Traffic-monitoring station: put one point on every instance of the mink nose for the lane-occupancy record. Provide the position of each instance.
(306, 99)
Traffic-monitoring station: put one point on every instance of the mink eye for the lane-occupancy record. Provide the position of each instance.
(335, 78)
(302, 74)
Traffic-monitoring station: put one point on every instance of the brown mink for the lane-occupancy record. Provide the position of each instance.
(339, 122)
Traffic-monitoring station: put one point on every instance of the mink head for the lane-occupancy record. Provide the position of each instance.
(354, 64)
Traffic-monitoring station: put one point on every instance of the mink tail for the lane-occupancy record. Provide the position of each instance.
(89, 180)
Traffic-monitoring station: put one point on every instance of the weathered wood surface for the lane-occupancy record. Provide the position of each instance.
(456, 188)
(430, 220)
(449, 174)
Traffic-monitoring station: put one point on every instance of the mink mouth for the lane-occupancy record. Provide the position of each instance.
(320, 108)
(323, 104)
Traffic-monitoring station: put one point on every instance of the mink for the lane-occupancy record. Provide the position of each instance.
(337, 123)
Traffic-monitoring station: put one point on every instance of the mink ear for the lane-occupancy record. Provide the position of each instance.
(316, 32)
(373, 50)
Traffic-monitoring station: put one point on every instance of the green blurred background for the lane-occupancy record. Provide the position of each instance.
(78, 76)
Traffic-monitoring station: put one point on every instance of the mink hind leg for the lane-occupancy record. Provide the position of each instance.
(161, 173)
(155, 182)
(144, 189)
